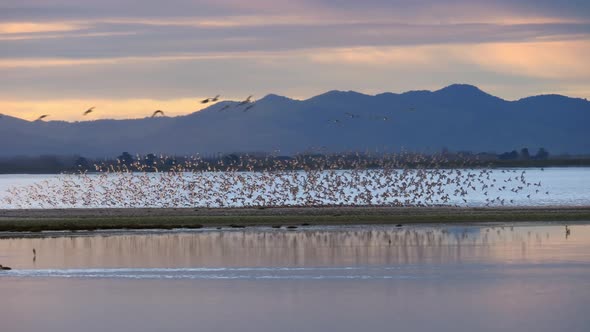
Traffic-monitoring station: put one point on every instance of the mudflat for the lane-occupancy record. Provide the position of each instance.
(36, 220)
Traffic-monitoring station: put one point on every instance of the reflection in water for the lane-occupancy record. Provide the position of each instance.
(351, 246)
(453, 278)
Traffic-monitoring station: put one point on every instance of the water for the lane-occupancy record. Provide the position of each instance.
(558, 187)
(525, 277)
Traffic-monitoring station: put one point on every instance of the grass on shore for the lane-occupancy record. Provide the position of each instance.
(199, 221)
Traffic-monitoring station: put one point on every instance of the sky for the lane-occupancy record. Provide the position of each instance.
(130, 57)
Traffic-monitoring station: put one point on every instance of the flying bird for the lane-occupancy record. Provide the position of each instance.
(223, 108)
(158, 112)
(42, 117)
(214, 99)
(247, 101)
(88, 111)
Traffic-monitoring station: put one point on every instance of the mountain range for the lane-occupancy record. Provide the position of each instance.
(458, 117)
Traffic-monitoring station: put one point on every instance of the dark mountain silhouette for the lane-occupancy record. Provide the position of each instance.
(458, 117)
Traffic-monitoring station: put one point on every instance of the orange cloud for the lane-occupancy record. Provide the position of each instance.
(545, 59)
(33, 27)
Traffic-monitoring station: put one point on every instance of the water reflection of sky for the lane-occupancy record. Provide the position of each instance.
(379, 245)
(459, 278)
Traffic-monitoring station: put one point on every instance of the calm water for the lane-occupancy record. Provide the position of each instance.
(419, 278)
(559, 186)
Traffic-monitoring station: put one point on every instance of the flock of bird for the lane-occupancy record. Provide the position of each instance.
(248, 103)
(325, 180)
(251, 182)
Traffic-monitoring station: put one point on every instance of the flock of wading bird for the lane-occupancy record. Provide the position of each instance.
(248, 103)
(400, 180)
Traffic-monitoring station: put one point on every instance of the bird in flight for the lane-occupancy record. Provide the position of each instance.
(88, 111)
(158, 112)
(249, 107)
(223, 108)
(42, 117)
(207, 100)
(247, 101)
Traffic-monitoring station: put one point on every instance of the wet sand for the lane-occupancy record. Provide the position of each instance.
(166, 218)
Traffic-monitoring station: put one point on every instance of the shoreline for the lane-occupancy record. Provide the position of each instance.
(42, 220)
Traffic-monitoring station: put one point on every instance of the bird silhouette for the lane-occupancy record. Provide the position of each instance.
(223, 108)
(157, 112)
(208, 100)
(42, 117)
(88, 111)
(246, 101)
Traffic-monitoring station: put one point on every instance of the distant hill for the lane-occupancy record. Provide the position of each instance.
(458, 117)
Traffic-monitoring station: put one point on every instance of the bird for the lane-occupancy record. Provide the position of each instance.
(207, 100)
(4, 268)
(157, 112)
(567, 232)
(247, 101)
(42, 117)
(88, 111)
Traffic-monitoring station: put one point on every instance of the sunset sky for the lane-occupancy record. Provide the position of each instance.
(131, 57)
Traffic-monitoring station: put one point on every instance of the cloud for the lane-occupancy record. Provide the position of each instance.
(34, 27)
(545, 59)
(66, 50)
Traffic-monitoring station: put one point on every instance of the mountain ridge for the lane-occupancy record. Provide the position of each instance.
(457, 117)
